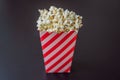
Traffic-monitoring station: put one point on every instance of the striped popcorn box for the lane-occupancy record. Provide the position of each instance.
(58, 49)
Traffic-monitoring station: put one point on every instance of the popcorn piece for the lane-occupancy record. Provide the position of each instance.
(58, 20)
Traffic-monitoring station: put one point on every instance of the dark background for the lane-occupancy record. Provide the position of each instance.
(97, 50)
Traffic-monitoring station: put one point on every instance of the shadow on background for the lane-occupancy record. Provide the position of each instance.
(58, 76)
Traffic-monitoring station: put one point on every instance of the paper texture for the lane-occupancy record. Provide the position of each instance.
(58, 50)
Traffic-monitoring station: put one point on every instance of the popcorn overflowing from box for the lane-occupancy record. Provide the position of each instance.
(58, 20)
(58, 30)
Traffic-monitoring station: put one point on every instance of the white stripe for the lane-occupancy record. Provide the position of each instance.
(42, 33)
(59, 56)
(66, 67)
(62, 62)
(54, 43)
(48, 38)
(59, 48)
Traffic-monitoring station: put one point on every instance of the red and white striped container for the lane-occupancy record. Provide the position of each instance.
(58, 50)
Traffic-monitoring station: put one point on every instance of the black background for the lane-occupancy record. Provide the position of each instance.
(97, 50)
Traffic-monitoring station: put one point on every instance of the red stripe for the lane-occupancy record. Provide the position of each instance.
(68, 69)
(51, 40)
(44, 36)
(60, 51)
(62, 58)
(58, 44)
(64, 65)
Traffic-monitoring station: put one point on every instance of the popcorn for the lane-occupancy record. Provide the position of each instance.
(58, 20)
